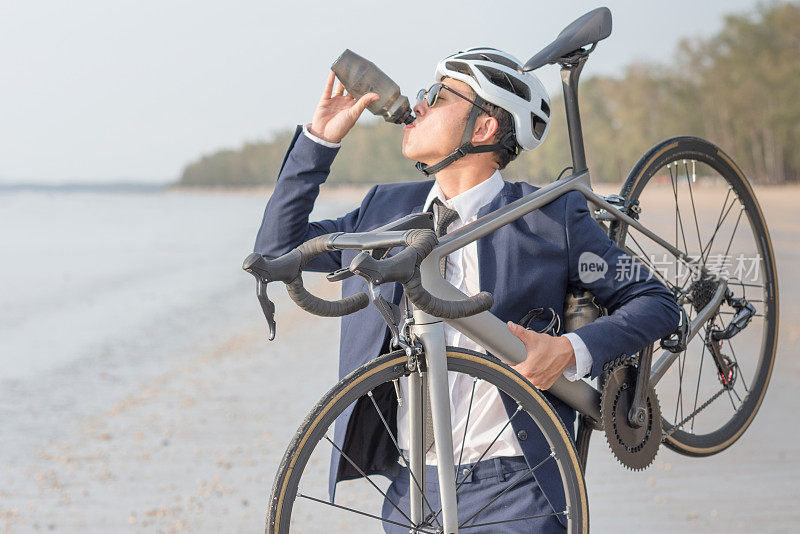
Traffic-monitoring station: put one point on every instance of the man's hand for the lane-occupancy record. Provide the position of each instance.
(336, 113)
(547, 359)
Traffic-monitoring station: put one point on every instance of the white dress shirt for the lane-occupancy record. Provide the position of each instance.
(488, 414)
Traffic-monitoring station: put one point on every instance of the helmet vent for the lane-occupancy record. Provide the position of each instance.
(491, 58)
(545, 108)
(537, 126)
(506, 81)
(458, 66)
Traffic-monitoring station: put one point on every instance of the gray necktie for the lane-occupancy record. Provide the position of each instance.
(445, 218)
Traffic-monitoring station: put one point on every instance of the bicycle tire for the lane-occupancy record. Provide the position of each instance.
(677, 152)
(388, 367)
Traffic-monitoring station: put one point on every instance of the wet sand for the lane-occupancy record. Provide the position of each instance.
(195, 445)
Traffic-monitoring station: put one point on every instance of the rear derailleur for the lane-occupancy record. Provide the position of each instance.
(726, 368)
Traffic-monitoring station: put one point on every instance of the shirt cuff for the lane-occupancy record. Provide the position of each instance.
(318, 140)
(583, 360)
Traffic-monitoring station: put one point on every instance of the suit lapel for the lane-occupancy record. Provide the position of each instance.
(489, 262)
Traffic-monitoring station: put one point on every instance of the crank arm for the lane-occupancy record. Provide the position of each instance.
(637, 415)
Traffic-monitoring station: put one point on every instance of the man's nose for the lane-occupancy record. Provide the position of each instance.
(421, 108)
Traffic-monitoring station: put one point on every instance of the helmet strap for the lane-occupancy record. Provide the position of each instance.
(466, 144)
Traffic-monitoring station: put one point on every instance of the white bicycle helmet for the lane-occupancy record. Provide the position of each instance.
(497, 78)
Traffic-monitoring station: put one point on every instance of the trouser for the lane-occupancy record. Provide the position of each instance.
(488, 480)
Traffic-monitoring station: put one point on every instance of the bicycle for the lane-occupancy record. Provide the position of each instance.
(718, 311)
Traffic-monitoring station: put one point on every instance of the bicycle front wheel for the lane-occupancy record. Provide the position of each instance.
(299, 500)
(691, 193)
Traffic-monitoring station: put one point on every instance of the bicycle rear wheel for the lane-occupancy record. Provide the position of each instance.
(357, 506)
(692, 194)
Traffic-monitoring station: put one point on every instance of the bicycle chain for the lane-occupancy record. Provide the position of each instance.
(691, 415)
(621, 360)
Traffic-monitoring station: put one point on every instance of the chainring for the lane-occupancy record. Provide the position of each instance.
(635, 448)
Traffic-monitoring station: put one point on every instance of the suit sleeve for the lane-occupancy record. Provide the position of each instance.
(285, 223)
(641, 309)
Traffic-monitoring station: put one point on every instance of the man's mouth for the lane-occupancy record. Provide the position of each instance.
(408, 126)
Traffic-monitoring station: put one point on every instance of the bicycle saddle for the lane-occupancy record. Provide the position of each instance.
(585, 30)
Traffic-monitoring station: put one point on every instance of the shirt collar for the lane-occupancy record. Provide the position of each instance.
(470, 201)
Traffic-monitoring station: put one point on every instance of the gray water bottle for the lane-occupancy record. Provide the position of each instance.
(360, 76)
(579, 310)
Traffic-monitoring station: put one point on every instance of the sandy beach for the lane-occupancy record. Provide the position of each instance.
(189, 441)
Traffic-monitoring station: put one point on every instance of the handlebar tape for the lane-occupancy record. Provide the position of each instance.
(313, 304)
(423, 242)
(322, 307)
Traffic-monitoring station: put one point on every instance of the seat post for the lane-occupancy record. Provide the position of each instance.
(570, 72)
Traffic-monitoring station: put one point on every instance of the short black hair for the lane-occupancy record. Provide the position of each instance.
(505, 124)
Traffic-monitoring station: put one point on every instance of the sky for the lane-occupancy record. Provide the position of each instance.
(106, 91)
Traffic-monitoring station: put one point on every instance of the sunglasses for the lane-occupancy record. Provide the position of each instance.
(431, 96)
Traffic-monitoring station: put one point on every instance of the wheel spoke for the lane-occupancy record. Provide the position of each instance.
(732, 403)
(720, 218)
(733, 390)
(644, 260)
(363, 474)
(488, 448)
(515, 519)
(485, 452)
(400, 452)
(339, 506)
(677, 207)
(694, 210)
(509, 488)
(466, 426)
(733, 353)
(733, 233)
(679, 402)
(744, 284)
(732, 313)
(707, 251)
(699, 375)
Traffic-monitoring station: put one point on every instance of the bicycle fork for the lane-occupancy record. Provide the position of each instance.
(429, 331)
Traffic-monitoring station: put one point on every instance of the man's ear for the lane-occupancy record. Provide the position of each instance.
(485, 128)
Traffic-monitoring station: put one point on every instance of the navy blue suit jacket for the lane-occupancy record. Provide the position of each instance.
(528, 263)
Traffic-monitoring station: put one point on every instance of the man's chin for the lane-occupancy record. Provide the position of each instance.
(409, 153)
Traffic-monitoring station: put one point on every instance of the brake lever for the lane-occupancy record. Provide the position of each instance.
(266, 306)
(389, 311)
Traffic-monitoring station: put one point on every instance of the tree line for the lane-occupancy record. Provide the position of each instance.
(738, 89)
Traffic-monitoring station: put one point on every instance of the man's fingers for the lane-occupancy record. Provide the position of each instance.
(363, 102)
(339, 88)
(326, 93)
(516, 329)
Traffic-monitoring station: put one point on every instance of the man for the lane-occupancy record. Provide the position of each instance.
(477, 117)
